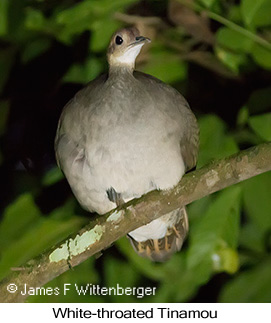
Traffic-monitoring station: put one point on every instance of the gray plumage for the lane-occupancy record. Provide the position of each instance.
(127, 133)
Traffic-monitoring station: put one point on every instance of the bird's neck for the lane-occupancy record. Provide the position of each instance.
(119, 71)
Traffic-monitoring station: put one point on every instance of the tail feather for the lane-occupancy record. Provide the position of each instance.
(162, 249)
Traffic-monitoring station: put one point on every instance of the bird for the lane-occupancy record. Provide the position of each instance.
(124, 134)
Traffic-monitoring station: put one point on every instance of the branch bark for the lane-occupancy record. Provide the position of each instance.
(103, 231)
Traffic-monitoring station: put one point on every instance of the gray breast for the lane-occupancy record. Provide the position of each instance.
(133, 134)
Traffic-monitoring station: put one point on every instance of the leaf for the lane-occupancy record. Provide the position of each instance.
(53, 176)
(87, 15)
(180, 283)
(16, 15)
(34, 49)
(208, 3)
(209, 61)
(261, 125)
(36, 236)
(83, 73)
(250, 286)
(79, 15)
(198, 208)
(75, 74)
(261, 56)
(215, 233)
(85, 12)
(4, 4)
(74, 20)
(18, 217)
(242, 117)
(252, 237)
(256, 13)
(234, 61)
(35, 19)
(233, 40)
(119, 273)
(260, 101)
(102, 31)
(215, 143)
(226, 259)
(166, 67)
(234, 14)
(257, 200)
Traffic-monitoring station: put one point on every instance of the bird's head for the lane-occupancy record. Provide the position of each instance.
(124, 47)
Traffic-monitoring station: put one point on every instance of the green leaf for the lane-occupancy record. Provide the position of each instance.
(234, 61)
(250, 286)
(180, 283)
(252, 237)
(119, 273)
(197, 208)
(4, 4)
(34, 49)
(35, 19)
(215, 143)
(235, 14)
(18, 217)
(79, 15)
(226, 259)
(242, 117)
(75, 20)
(261, 56)
(260, 101)
(87, 15)
(16, 16)
(208, 3)
(233, 40)
(256, 13)
(257, 200)
(166, 67)
(53, 176)
(214, 237)
(39, 235)
(82, 15)
(261, 125)
(75, 74)
(102, 33)
(83, 73)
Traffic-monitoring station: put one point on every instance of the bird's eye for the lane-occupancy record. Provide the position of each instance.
(119, 40)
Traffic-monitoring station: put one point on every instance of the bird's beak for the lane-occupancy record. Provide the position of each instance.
(140, 41)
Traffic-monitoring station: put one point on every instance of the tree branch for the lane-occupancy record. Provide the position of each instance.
(103, 231)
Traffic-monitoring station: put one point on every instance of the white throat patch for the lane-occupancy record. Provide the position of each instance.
(130, 55)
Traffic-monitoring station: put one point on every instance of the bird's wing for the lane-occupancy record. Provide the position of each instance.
(189, 136)
(70, 140)
(68, 153)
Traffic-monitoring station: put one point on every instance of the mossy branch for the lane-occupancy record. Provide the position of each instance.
(103, 231)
